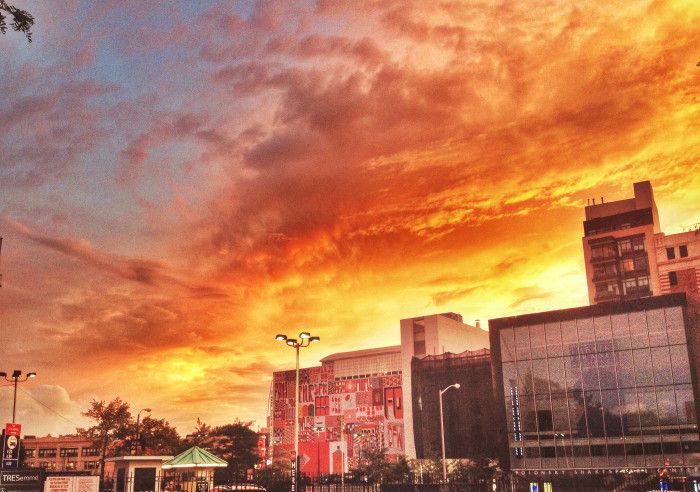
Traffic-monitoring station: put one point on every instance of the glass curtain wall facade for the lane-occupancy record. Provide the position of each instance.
(607, 386)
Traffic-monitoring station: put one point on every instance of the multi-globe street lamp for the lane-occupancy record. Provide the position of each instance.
(16, 378)
(305, 339)
(442, 432)
(138, 435)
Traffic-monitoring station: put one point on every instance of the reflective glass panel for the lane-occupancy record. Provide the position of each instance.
(621, 331)
(569, 338)
(648, 413)
(589, 372)
(606, 370)
(630, 412)
(643, 368)
(638, 329)
(524, 377)
(668, 414)
(680, 364)
(553, 335)
(538, 344)
(661, 359)
(675, 325)
(540, 377)
(510, 377)
(586, 335)
(560, 413)
(603, 333)
(625, 369)
(572, 366)
(686, 404)
(507, 345)
(657, 327)
(522, 342)
(557, 376)
(577, 414)
(611, 413)
(594, 414)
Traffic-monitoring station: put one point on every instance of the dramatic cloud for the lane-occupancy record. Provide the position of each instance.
(184, 181)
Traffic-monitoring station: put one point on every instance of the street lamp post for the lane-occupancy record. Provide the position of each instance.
(442, 432)
(305, 339)
(138, 435)
(16, 379)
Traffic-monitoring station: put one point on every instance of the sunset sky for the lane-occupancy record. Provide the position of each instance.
(180, 182)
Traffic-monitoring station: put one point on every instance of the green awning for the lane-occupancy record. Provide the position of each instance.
(195, 457)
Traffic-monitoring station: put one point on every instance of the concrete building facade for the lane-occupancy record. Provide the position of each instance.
(62, 453)
(627, 256)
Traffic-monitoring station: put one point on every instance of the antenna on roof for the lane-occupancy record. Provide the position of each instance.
(602, 199)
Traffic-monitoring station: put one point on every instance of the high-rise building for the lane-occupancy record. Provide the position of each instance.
(628, 257)
(600, 389)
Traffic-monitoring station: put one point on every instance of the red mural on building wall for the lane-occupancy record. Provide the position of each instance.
(337, 418)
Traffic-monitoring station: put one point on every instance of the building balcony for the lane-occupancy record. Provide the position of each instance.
(603, 276)
(606, 296)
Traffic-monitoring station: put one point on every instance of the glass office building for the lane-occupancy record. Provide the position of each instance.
(604, 387)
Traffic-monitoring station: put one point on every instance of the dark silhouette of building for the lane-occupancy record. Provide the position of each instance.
(470, 430)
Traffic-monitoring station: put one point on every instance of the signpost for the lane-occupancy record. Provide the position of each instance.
(10, 445)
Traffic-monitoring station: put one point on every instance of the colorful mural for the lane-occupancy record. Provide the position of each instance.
(339, 419)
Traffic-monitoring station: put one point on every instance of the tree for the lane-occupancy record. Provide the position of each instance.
(399, 472)
(155, 437)
(111, 419)
(374, 465)
(236, 443)
(22, 21)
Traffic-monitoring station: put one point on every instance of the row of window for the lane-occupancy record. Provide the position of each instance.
(63, 452)
(682, 252)
(614, 415)
(657, 366)
(581, 456)
(639, 329)
(69, 465)
(623, 247)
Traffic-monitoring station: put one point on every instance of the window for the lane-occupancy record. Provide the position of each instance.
(69, 452)
(641, 263)
(625, 246)
(47, 452)
(70, 465)
(673, 278)
(628, 265)
(638, 243)
(670, 254)
(30, 453)
(683, 251)
(91, 452)
(90, 465)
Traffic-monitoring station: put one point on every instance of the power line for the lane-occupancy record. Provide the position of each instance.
(46, 406)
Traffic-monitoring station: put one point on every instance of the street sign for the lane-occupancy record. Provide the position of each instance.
(13, 429)
(10, 446)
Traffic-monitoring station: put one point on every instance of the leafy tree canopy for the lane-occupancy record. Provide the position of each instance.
(22, 21)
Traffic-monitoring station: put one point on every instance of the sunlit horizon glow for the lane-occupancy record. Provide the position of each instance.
(183, 182)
